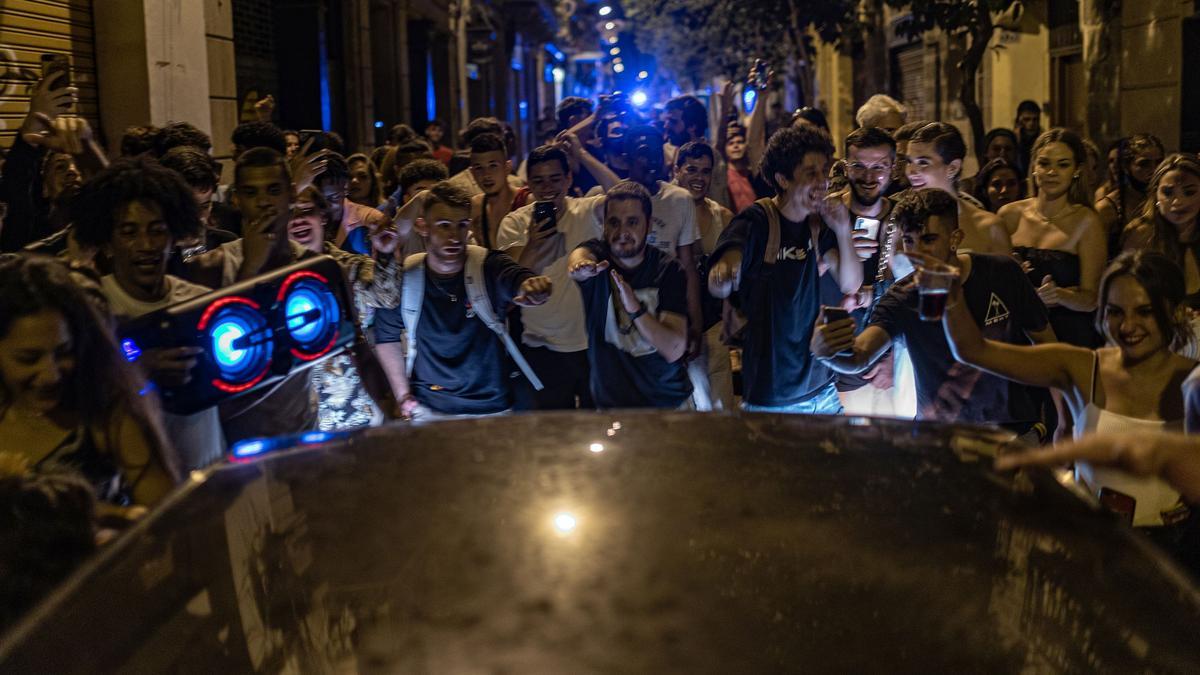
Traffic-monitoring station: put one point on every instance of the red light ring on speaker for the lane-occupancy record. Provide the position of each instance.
(212, 309)
(236, 388)
(304, 356)
(296, 276)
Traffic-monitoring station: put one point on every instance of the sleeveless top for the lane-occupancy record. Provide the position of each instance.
(1070, 326)
(1153, 496)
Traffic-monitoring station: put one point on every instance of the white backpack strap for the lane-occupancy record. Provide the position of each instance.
(477, 295)
(412, 296)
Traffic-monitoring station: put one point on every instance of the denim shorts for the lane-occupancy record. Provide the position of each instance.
(824, 402)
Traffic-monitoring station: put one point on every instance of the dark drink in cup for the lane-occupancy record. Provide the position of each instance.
(932, 303)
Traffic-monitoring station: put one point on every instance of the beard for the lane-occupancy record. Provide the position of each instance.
(861, 196)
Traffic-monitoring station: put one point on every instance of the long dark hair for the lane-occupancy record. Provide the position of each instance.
(375, 191)
(1164, 235)
(1163, 280)
(985, 176)
(102, 383)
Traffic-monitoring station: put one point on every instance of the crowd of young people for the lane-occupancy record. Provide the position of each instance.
(631, 263)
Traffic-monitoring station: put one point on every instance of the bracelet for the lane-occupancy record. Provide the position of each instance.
(641, 310)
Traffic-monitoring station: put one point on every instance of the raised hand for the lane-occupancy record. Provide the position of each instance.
(265, 108)
(305, 169)
(49, 101)
(830, 338)
(534, 291)
(726, 276)
(629, 299)
(835, 213)
(586, 269)
(71, 135)
(384, 236)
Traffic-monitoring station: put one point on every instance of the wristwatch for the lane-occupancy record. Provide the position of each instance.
(641, 310)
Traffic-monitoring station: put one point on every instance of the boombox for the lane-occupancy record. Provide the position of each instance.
(253, 333)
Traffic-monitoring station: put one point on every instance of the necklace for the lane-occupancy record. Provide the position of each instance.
(1049, 220)
(436, 285)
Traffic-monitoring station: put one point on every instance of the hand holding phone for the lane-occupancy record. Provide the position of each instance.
(545, 214)
(831, 314)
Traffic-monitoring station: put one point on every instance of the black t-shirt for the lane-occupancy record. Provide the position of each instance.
(627, 372)
(781, 303)
(461, 367)
(1005, 305)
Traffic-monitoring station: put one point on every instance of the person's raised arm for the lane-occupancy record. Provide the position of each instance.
(599, 170)
(836, 345)
(845, 263)
(667, 331)
(1173, 457)
(725, 112)
(583, 265)
(756, 126)
(1055, 365)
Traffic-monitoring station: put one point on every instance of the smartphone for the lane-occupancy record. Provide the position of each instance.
(56, 63)
(544, 211)
(901, 266)
(832, 314)
(871, 225)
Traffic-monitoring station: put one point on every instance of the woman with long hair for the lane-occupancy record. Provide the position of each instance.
(1170, 220)
(366, 187)
(998, 184)
(67, 394)
(1170, 224)
(1137, 158)
(1058, 237)
(1132, 384)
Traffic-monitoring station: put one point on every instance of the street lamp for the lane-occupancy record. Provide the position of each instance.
(614, 51)
(619, 67)
(643, 75)
(605, 10)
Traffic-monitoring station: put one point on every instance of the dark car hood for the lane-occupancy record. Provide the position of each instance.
(623, 542)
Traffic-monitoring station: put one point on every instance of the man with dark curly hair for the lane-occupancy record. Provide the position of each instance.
(249, 135)
(175, 134)
(135, 211)
(768, 262)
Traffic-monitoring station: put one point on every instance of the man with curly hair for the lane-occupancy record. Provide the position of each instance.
(134, 212)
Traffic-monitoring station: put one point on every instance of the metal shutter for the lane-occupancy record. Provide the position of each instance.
(910, 68)
(31, 28)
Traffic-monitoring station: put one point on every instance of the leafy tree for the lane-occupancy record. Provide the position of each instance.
(697, 40)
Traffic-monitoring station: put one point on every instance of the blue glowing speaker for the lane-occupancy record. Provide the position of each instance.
(253, 333)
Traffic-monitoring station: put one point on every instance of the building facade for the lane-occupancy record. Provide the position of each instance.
(1108, 69)
(356, 67)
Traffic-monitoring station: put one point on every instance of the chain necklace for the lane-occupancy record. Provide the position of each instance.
(434, 284)
(1049, 220)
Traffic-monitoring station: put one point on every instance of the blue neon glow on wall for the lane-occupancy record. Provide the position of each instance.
(430, 92)
(326, 96)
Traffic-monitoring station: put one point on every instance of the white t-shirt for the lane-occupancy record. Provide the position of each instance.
(559, 323)
(197, 438)
(673, 223)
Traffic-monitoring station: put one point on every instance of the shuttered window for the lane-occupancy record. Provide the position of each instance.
(908, 69)
(31, 28)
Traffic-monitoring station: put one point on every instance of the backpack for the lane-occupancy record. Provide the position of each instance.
(412, 296)
(733, 321)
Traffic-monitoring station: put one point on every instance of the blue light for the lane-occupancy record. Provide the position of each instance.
(378, 124)
(555, 52)
(130, 348)
(223, 336)
(302, 327)
(315, 437)
(249, 448)
(749, 98)
(639, 98)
